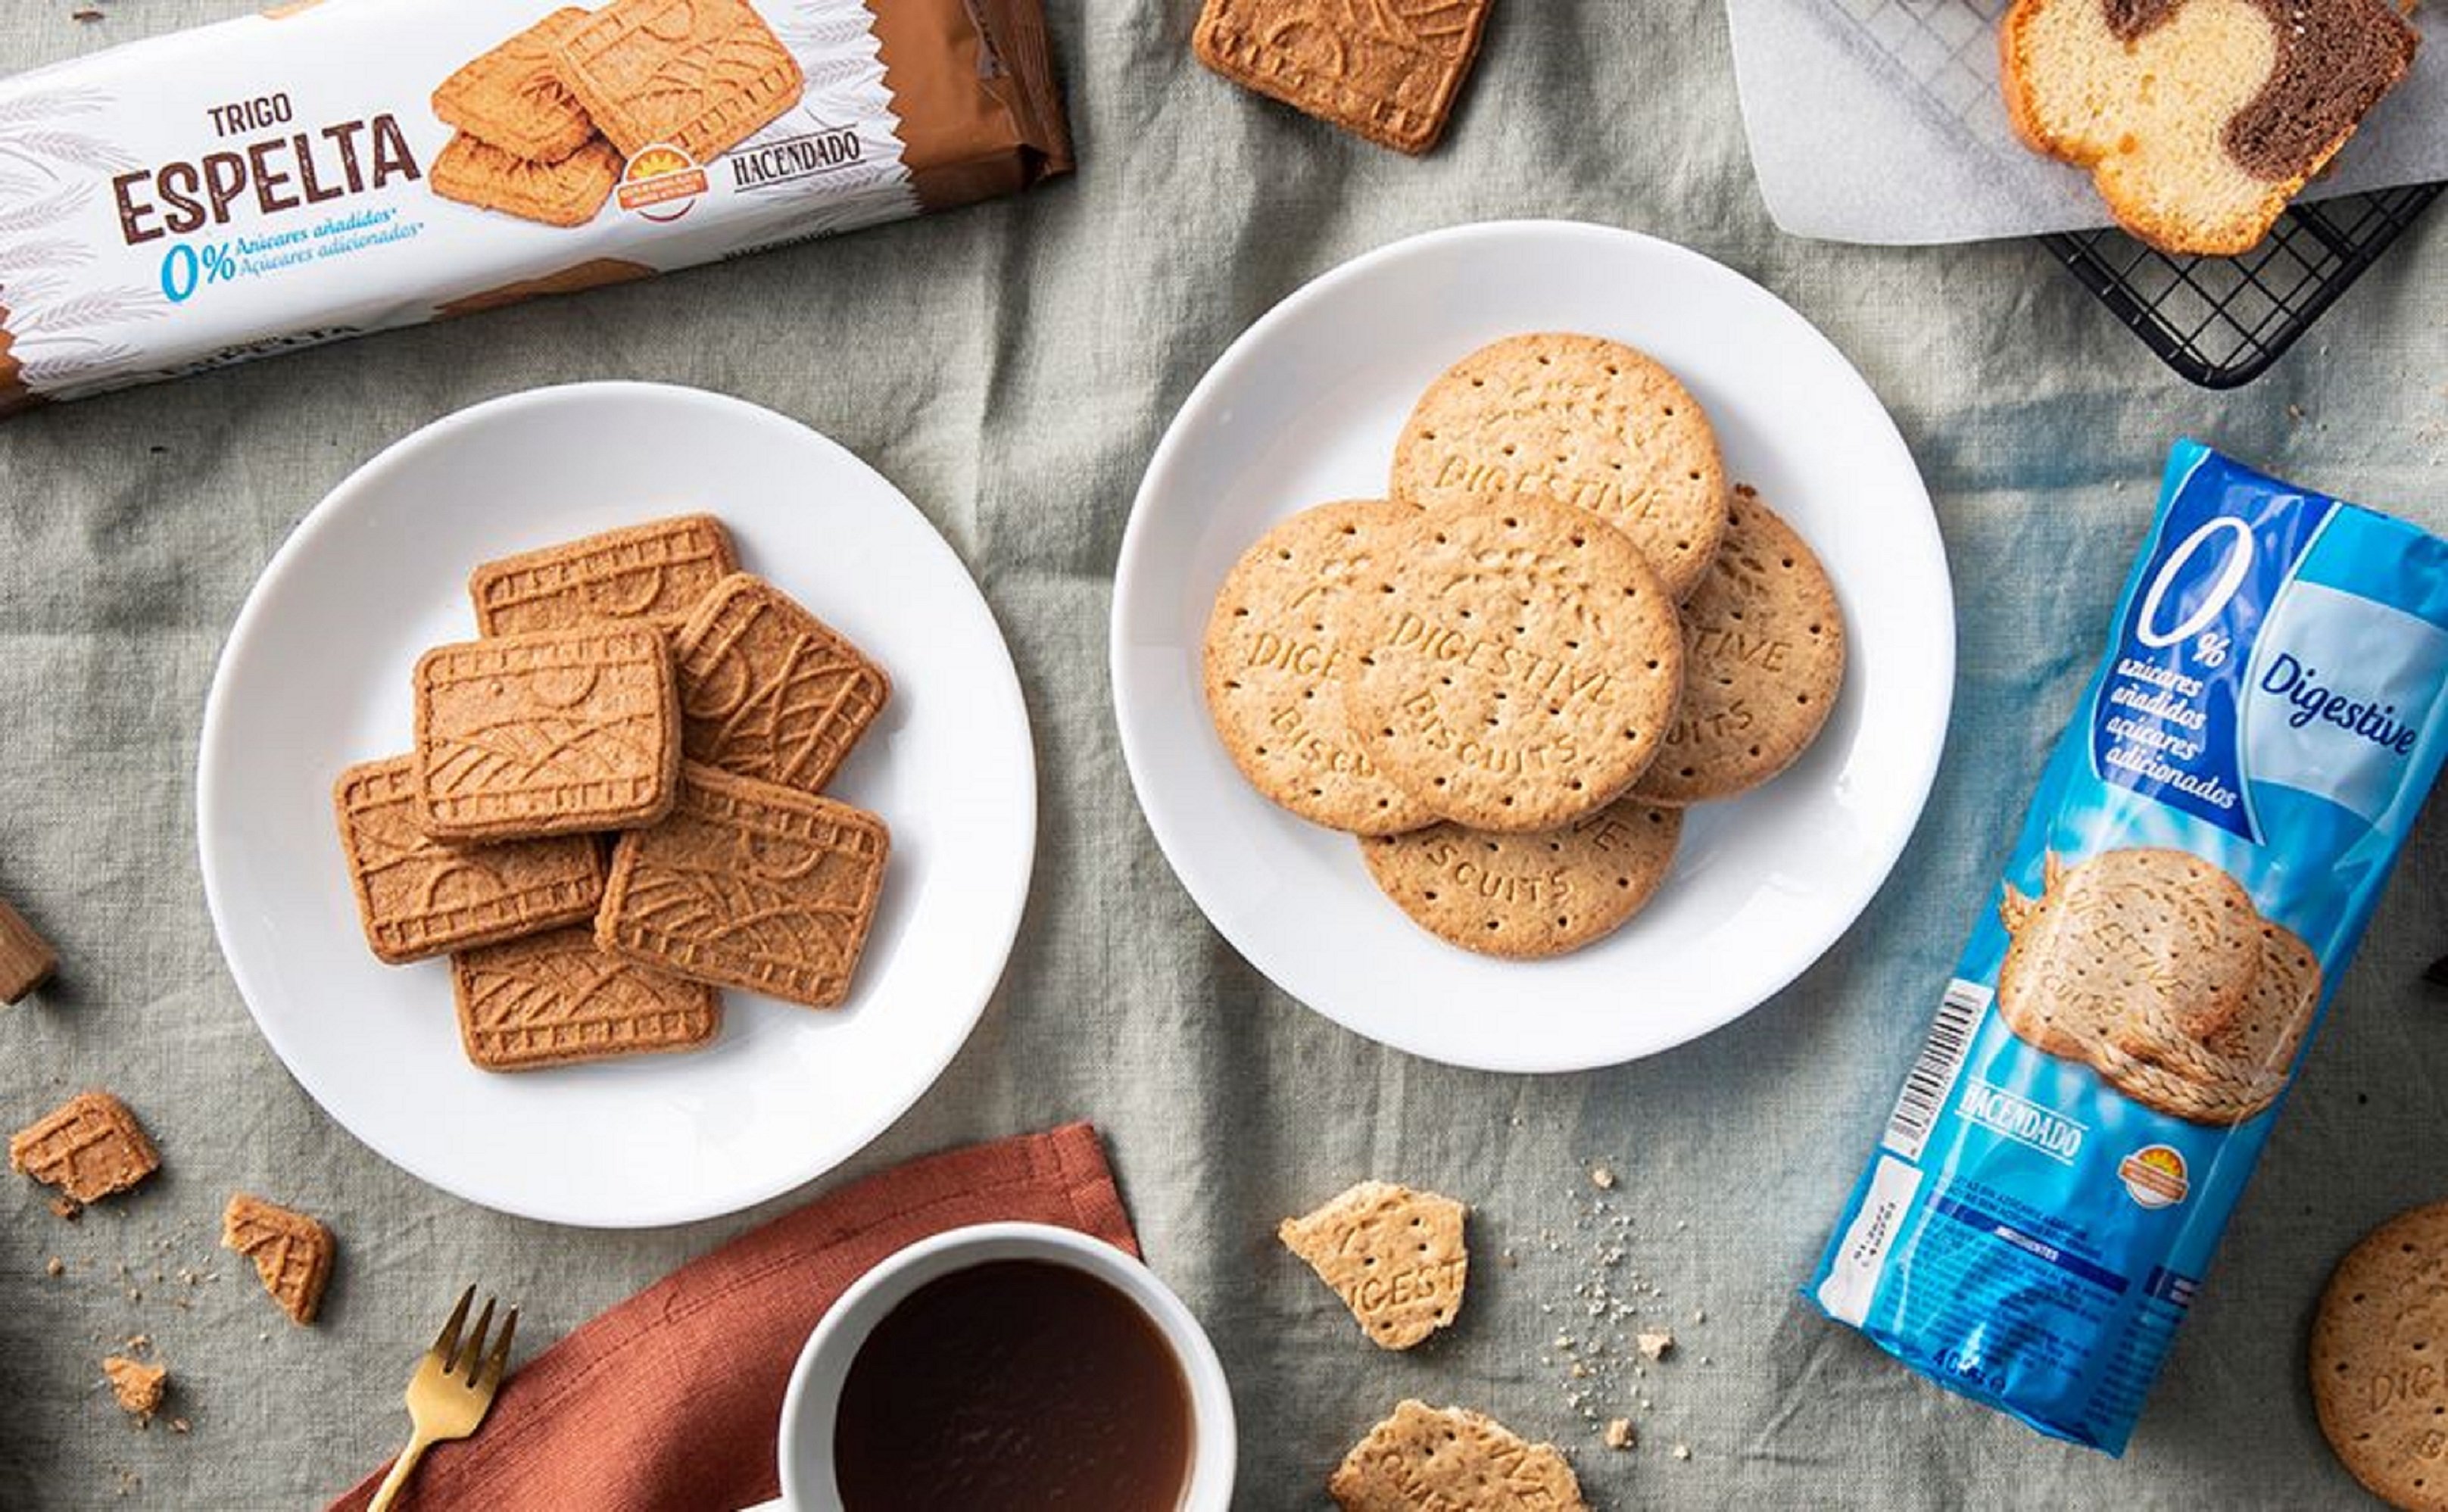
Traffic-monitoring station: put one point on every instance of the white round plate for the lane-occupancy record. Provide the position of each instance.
(1306, 406)
(316, 676)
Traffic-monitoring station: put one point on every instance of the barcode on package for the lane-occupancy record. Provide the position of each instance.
(1935, 1069)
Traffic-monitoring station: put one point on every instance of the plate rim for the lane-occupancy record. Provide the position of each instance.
(1132, 559)
(329, 513)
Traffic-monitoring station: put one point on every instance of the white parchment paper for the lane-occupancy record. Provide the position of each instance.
(1879, 120)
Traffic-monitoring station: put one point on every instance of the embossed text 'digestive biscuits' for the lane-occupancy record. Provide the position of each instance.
(566, 193)
(417, 897)
(700, 75)
(749, 885)
(1386, 69)
(1396, 1256)
(556, 734)
(770, 691)
(557, 997)
(512, 97)
(659, 571)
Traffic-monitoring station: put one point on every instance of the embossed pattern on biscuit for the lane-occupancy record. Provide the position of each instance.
(1518, 663)
(1389, 70)
(1395, 1257)
(2379, 1389)
(567, 193)
(1581, 420)
(1271, 669)
(700, 75)
(511, 96)
(89, 1147)
(1425, 1459)
(558, 999)
(770, 691)
(1764, 657)
(749, 885)
(292, 1252)
(659, 571)
(418, 898)
(1529, 896)
(555, 734)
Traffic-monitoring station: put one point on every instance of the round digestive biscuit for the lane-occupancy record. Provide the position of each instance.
(1763, 656)
(1514, 664)
(2379, 1359)
(1529, 896)
(1578, 419)
(2142, 939)
(1271, 669)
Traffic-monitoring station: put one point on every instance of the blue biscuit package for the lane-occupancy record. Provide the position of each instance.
(2193, 874)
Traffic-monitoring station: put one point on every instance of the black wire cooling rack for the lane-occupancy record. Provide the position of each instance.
(2218, 321)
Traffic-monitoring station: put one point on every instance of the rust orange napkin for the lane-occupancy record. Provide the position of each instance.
(671, 1400)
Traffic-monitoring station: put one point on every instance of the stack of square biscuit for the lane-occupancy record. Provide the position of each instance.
(1509, 676)
(546, 121)
(614, 806)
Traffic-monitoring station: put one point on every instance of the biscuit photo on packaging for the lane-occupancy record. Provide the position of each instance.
(512, 97)
(1529, 896)
(658, 571)
(1395, 1257)
(89, 1147)
(697, 75)
(770, 691)
(563, 732)
(418, 898)
(558, 999)
(1581, 420)
(1763, 659)
(567, 193)
(1271, 669)
(1517, 663)
(1452, 1460)
(292, 1252)
(752, 886)
(1388, 70)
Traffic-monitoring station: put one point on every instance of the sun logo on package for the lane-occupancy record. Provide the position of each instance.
(661, 182)
(2154, 1176)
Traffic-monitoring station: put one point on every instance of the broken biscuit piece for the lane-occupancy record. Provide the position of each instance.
(1450, 1458)
(1395, 1257)
(89, 1147)
(292, 1252)
(139, 1387)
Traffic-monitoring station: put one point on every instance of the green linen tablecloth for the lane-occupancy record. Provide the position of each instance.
(1011, 366)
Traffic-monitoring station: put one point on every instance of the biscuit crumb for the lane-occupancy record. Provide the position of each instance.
(68, 1208)
(1655, 1345)
(179, 1425)
(1602, 1177)
(56, 1268)
(1619, 1434)
(1682, 1451)
(139, 1387)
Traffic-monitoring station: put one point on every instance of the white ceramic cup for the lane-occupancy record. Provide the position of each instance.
(814, 1397)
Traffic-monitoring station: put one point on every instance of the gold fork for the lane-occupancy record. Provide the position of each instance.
(452, 1387)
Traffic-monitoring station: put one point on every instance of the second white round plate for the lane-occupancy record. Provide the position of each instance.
(1305, 408)
(316, 676)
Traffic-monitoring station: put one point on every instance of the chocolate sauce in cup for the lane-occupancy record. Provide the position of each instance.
(1007, 1367)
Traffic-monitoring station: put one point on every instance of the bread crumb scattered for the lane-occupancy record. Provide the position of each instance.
(1655, 1345)
(1619, 1434)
